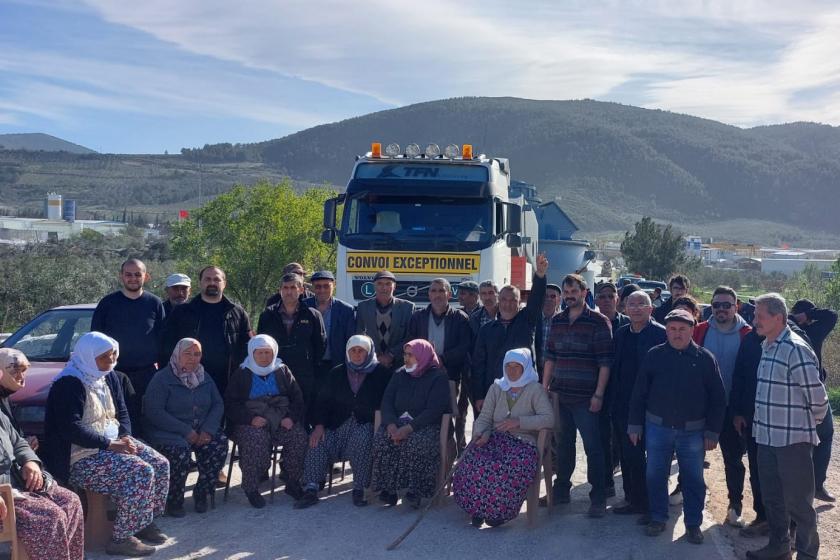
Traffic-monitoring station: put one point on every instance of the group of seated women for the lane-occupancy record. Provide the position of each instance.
(88, 443)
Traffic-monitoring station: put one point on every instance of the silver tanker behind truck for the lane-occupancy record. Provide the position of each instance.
(426, 214)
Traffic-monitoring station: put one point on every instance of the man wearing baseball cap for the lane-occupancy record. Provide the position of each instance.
(177, 288)
(678, 403)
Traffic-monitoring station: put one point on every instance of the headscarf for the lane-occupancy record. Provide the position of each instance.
(425, 355)
(262, 341)
(82, 364)
(8, 356)
(362, 341)
(521, 356)
(190, 379)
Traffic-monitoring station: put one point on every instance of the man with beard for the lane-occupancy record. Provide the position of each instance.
(220, 325)
(177, 289)
(578, 357)
(134, 318)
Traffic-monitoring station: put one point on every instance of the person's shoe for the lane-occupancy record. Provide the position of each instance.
(200, 501)
(654, 528)
(294, 490)
(733, 516)
(255, 499)
(152, 534)
(676, 497)
(129, 546)
(758, 528)
(610, 492)
(627, 509)
(767, 553)
(359, 498)
(823, 495)
(495, 522)
(309, 498)
(477, 521)
(413, 500)
(694, 535)
(597, 511)
(221, 480)
(561, 496)
(175, 511)
(388, 498)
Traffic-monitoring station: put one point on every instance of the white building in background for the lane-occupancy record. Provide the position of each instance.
(38, 230)
(791, 265)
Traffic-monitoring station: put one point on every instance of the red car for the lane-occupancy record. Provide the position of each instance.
(47, 341)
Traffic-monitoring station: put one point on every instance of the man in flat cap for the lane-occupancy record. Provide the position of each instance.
(385, 319)
(678, 403)
(339, 319)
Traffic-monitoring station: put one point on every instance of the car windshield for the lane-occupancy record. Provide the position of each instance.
(373, 221)
(51, 336)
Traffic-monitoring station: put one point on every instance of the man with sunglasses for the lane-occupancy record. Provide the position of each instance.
(722, 335)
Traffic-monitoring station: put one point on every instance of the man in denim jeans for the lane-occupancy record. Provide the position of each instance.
(679, 402)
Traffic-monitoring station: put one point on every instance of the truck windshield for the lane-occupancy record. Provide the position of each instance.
(376, 221)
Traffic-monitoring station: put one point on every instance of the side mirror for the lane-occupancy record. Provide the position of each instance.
(514, 240)
(514, 219)
(328, 236)
(329, 212)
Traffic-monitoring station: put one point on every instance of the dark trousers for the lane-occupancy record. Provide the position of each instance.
(755, 481)
(573, 419)
(787, 488)
(606, 431)
(140, 379)
(822, 453)
(633, 465)
(732, 448)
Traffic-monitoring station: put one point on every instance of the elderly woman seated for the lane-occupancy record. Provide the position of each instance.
(50, 523)
(264, 406)
(406, 450)
(343, 417)
(492, 480)
(182, 413)
(89, 444)
(15, 365)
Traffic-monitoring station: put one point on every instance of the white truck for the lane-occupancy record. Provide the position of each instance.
(428, 214)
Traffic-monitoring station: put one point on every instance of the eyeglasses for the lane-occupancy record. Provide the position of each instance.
(636, 305)
(722, 305)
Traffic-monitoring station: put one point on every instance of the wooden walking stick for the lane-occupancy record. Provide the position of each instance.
(422, 514)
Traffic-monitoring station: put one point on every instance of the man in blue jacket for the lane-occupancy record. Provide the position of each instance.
(339, 320)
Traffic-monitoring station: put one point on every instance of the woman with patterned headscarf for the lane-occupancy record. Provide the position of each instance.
(406, 450)
(182, 413)
(343, 415)
(492, 480)
(264, 406)
(88, 438)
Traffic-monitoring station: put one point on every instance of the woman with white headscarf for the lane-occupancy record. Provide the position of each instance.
(182, 413)
(14, 365)
(264, 406)
(88, 440)
(492, 480)
(343, 417)
(49, 518)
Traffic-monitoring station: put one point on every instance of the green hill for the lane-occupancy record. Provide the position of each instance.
(610, 163)
(38, 142)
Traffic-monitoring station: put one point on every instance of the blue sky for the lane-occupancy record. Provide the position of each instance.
(144, 77)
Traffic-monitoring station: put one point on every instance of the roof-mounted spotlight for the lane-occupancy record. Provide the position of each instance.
(412, 150)
(451, 151)
(392, 149)
(432, 150)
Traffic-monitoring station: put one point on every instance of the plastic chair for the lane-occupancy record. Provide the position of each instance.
(275, 449)
(447, 444)
(9, 532)
(544, 468)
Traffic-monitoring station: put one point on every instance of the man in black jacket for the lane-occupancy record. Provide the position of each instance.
(679, 404)
(448, 330)
(515, 328)
(299, 332)
(679, 285)
(818, 324)
(222, 327)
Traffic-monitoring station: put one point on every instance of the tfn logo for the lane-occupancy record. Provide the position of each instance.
(421, 171)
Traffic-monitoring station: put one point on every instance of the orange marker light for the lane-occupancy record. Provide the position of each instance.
(467, 151)
(376, 150)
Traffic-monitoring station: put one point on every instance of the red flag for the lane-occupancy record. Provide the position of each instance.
(183, 214)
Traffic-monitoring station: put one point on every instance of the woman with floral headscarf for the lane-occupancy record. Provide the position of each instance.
(264, 406)
(492, 479)
(88, 440)
(182, 412)
(49, 518)
(343, 417)
(406, 450)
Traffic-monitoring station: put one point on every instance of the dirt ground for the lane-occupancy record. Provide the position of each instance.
(336, 529)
